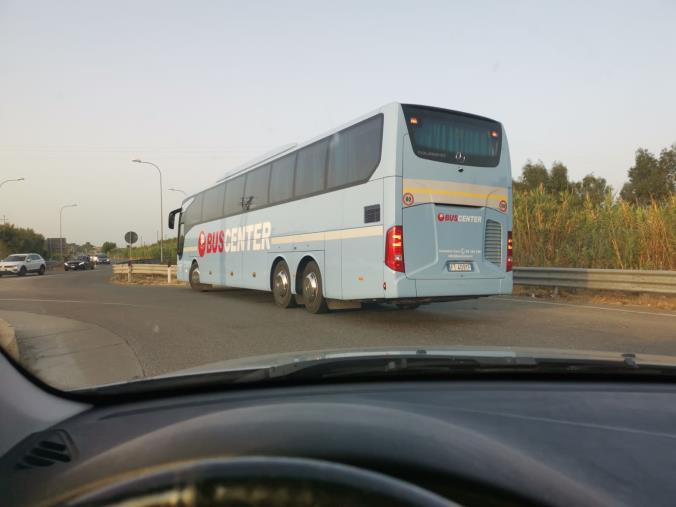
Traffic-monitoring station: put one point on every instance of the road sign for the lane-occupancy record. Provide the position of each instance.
(131, 237)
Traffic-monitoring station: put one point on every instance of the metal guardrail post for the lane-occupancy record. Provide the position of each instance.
(168, 274)
(129, 268)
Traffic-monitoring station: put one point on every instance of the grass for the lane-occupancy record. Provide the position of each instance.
(566, 230)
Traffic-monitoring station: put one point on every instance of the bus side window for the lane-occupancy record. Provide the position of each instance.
(256, 190)
(281, 179)
(213, 203)
(355, 152)
(311, 169)
(193, 213)
(234, 192)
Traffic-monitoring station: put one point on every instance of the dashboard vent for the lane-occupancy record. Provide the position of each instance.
(493, 242)
(47, 450)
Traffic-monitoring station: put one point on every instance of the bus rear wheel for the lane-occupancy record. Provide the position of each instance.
(194, 278)
(281, 286)
(313, 291)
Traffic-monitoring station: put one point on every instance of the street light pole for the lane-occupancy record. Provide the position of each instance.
(139, 161)
(61, 227)
(7, 181)
(178, 190)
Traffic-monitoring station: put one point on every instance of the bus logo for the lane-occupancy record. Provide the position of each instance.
(503, 206)
(408, 199)
(202, 243)
(463, 219)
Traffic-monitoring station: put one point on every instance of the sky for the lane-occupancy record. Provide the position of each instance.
(198, 87)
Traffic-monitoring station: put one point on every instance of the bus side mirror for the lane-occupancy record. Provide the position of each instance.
(172, 216)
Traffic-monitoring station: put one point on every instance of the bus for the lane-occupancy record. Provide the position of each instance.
(407, 204)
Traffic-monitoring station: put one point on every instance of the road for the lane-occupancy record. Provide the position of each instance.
(165, 329)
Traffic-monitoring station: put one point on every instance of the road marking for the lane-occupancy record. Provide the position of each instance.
(75, 301)
(589, 307)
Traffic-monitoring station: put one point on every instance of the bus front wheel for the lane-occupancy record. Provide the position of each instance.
(313, 292)
(281, 286)
(194, 277)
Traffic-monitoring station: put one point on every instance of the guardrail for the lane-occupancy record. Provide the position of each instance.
(145, 269)
(660, 282)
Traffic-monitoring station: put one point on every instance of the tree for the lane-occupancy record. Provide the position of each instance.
(87, 248)
(649, 178)
(594, 188)
(534, 175)
(667, 164)
(558, 178)
(18, 240)
(108, 246)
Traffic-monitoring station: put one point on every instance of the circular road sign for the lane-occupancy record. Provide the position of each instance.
(131, 237)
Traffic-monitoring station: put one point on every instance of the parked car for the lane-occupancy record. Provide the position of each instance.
(20, 264)
(79, 263)
(103, 259)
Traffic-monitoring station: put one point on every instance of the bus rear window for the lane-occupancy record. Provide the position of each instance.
(447, 136)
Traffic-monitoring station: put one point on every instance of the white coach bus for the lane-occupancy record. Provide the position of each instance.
(407, 204)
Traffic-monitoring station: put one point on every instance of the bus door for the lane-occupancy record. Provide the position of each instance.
(456, 196)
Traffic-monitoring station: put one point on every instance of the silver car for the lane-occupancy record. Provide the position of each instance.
(20, 264)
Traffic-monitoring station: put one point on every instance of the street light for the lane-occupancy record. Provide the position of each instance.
(139, 161)
(60, 227)
(178, 190)
(7, 181)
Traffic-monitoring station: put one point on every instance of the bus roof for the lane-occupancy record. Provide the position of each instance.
(278, 152)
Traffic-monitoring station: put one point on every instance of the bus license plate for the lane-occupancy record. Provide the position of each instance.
(460, 266)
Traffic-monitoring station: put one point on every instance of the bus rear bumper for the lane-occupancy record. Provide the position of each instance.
(471, 287)
(402, 288)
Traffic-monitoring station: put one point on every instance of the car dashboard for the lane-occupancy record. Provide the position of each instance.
(468, 442)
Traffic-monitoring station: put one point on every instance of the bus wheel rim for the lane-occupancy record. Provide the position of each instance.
(195, 276)
(282, 283)
(310, 286)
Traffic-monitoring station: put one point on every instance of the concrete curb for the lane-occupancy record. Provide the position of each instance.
(8, 339)
(72, 354)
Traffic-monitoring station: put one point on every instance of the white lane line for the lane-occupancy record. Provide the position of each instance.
(589, 307)
(75, 301)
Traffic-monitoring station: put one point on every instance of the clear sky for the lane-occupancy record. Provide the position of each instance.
(201, 86)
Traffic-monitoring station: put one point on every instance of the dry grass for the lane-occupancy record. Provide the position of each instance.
(568, 231)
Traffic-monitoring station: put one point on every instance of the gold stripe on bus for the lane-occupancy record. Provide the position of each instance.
(436, 191)
(360, 232)
(190, 249)
(454, 193)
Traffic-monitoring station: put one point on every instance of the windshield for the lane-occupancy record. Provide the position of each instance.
(15, 258)
(447, 136)
(234, 186)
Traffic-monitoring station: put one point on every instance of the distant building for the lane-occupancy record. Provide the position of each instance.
(55, 246)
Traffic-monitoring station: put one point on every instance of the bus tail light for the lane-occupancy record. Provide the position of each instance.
(394, 248)
(509, 251)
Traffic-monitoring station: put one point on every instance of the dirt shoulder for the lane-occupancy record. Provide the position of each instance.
(659, 301)
(146, 280)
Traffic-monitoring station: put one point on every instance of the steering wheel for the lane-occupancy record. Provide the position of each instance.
(260, 481)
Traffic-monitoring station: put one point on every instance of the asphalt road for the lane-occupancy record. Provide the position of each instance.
(173, 328)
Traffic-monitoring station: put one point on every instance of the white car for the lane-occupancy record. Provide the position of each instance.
(20, 264)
